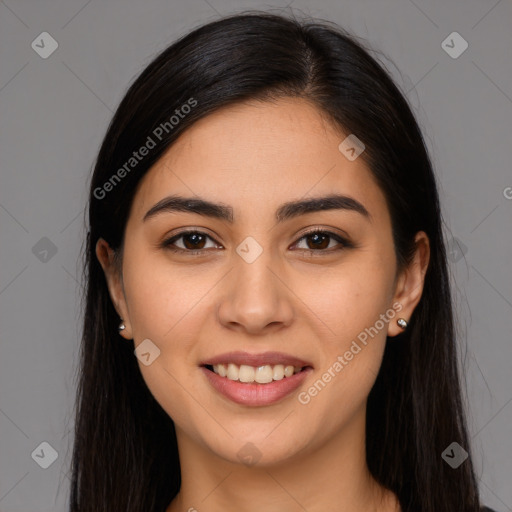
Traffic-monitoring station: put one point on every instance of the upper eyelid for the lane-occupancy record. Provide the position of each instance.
(189, 231)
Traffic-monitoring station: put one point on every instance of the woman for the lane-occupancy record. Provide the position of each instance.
(268, 319)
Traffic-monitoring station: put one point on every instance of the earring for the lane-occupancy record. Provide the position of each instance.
(121, 327)
(402, 323)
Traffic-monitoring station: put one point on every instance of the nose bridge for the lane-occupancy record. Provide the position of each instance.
(256, 295)
(254, 279)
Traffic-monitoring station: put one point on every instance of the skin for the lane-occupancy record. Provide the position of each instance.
(254, 157)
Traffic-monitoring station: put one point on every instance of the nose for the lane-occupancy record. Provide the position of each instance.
(256, 298)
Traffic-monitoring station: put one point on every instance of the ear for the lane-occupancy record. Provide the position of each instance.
(409, 286)
(113, 276)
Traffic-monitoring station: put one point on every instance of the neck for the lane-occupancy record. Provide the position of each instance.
(333, 476)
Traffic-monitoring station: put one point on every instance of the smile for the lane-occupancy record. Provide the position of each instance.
(255, 380)
(250, 374)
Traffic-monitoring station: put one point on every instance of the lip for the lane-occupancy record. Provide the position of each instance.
(255, 395)
(265, 358)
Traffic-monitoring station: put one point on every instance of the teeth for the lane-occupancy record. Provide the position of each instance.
(261, 374)
(278, 372)
(246, 373)
(232, 372)
(264, 374)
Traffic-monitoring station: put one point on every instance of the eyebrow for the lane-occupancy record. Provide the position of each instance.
(285, 212)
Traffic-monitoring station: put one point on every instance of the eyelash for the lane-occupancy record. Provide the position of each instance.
(346, 244)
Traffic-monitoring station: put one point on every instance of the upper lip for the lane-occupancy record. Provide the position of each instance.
(265, 358)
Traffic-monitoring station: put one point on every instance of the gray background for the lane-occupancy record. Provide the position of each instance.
(55, 112)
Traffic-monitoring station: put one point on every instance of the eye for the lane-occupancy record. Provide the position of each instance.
(194, 242)
(320, 240)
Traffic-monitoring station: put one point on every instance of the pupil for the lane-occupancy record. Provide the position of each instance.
(319, 240)
(194, 239)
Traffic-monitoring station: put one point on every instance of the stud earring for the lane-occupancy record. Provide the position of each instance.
(402, 323)
(121, 327)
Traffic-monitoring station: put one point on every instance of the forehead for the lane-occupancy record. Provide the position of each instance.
(257, 155)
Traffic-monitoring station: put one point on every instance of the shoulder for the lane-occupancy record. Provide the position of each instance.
(487, 509)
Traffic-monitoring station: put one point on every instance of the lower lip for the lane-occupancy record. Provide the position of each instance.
(256, 394)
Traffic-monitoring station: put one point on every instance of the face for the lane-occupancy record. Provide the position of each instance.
(256, 288)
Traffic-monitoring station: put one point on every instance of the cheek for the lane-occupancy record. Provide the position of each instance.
(345, 301)
(163, 304)
(351, 350)
(162, 299)
(352, 312)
